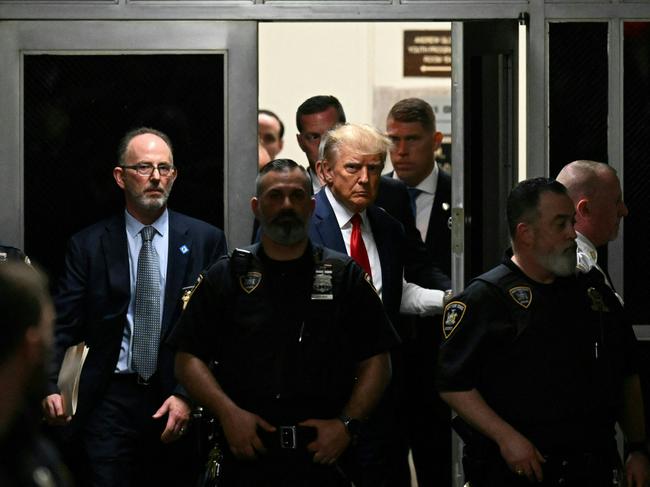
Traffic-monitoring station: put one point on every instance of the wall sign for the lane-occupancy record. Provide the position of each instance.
(427, 53)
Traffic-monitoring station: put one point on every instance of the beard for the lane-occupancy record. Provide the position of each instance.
(149, 202)
(561, 263)
(152, 202)
(285, 229)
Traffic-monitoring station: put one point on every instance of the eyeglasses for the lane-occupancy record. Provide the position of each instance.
(144, 169)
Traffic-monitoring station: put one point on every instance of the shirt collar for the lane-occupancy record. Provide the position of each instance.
(428, 184)
(133, 226)
(585, 245)
(315, 182)
(342, 213)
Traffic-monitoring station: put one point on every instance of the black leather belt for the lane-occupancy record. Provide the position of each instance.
(134, 378)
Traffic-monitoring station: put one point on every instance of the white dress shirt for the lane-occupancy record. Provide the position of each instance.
(315, 182)
(424, 201)
(587, 259)
(344, 217)
(416, 300)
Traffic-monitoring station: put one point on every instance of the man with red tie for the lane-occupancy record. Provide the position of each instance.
(351, 161)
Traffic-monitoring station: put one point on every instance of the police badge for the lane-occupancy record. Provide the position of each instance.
(249, 281)
(597, 301)
(322, 286)
(454, 313)
(522, 295)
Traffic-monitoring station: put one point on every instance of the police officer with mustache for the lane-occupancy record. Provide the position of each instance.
(533, 358)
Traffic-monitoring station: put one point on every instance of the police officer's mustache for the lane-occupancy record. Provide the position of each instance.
(287, 217)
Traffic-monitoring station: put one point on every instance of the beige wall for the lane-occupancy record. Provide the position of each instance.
(359, 63)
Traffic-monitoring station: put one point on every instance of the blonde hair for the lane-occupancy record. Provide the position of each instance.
(360, 139)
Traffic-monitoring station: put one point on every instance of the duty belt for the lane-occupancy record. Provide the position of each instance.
(289, 437)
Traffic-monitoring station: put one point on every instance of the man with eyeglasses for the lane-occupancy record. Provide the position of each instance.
(121, 292)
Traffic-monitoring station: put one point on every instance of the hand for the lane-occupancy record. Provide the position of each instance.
(178, 418)
(521, 456)
(54, 411)
(637, 470)
(240, 428)
(331, 440)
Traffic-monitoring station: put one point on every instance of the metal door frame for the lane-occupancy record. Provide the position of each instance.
(237, 40)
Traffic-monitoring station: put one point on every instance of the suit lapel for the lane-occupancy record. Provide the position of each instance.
(177, 262)
(439, 216)
(116, 254)
(384, 247)
(326, 226)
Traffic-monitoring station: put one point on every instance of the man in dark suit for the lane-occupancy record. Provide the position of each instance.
(351, 160)
(314, 118)
(121, 293)
(411, 126)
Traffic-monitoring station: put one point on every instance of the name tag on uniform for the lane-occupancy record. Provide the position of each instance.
(322, 287)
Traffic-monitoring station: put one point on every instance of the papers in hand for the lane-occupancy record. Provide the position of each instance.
(68, 382)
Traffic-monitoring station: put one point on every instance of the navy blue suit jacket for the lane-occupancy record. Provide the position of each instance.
(389, 238)
(94, 293)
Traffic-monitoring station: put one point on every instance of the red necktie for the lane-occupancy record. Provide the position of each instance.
(357, 247)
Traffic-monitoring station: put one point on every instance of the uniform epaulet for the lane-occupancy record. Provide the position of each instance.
(510, 284)
(497, 275)
(240, 261)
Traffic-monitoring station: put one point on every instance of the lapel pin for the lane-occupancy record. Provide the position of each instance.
(184, 249)
(445, 206)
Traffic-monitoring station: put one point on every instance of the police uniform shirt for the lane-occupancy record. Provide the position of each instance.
(538, 356)
(280, 352)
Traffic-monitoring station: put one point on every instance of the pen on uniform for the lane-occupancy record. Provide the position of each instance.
(302, 329)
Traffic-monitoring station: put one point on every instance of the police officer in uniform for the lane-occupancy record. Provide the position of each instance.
(299, 342)
(597, 196)
(533, 358)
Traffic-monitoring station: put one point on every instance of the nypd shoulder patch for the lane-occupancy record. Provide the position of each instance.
(249, 281)
(454, 313)
(522, 295)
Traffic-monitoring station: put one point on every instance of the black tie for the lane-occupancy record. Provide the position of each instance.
(414, 193)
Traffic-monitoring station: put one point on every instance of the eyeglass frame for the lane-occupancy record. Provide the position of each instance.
(151, 168)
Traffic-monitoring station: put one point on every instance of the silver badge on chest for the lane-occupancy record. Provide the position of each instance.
(322, 286)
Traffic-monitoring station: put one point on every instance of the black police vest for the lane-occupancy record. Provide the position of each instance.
(590, 338)
(285, 370)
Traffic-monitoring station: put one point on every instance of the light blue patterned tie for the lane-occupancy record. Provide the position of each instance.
(146, 320)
